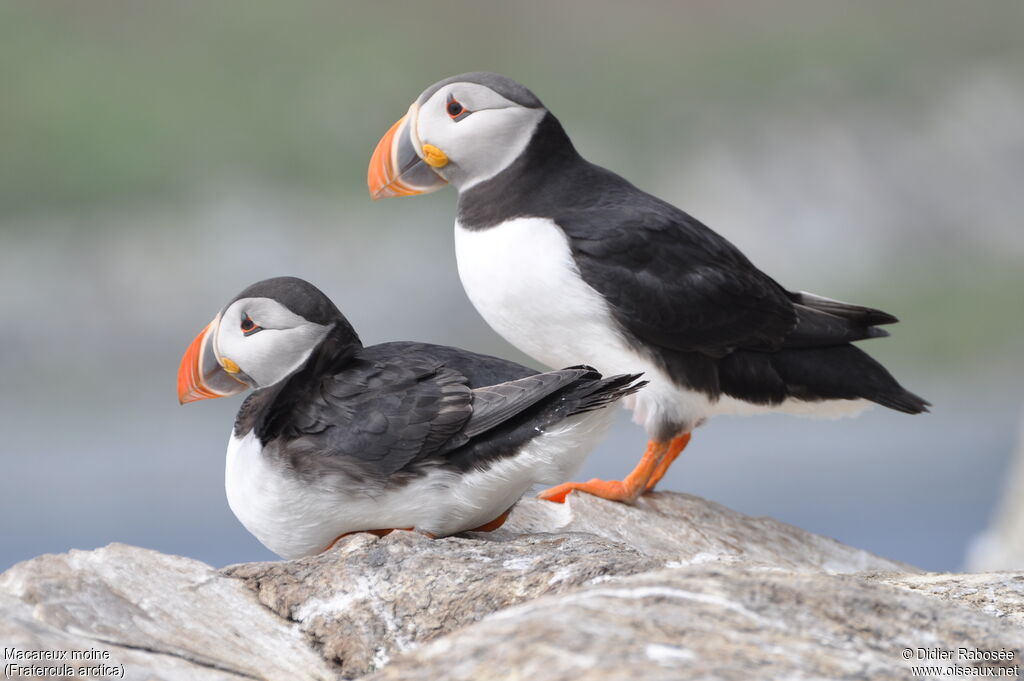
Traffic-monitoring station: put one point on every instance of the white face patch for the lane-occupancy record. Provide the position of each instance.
(280, 346)
(484, 142)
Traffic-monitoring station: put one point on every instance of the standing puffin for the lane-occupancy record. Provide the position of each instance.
(339, 438)
(570, 262)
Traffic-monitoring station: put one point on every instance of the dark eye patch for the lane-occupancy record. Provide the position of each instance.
(249, 327)
(455, 109)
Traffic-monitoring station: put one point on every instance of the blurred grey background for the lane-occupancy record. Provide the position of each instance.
(155, 158)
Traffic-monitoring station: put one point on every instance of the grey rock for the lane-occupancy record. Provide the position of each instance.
(372, 598)
(375, 598)
(711, 622)
(673, 588)
(999, 594)
(690, 530)
(162, 617)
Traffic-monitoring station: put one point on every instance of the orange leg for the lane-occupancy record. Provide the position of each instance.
(494, 524)
(675, 448)
(625, 490)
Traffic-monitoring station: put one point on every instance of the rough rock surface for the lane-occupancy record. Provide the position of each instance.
(162, 617)
(375, 597)
(700, 622)
(673, 588)
(999, 594)
(688, 529)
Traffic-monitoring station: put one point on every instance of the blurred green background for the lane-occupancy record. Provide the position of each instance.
(155, 158)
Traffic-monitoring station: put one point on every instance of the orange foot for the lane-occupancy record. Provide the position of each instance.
(494, 524)
(651, 469)
(616, 490)
(675, 448)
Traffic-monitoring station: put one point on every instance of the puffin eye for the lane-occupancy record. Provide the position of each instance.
(455, 109)
(249, 326)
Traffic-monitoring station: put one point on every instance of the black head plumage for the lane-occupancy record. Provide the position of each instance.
(503, 85)
(307, 301)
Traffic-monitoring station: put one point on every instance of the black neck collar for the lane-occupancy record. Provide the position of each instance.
(520, 189)
(269, 410)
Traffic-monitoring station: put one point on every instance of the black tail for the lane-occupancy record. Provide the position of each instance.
(594, 392)
(841, 372)
(817, 361)
(823, 322)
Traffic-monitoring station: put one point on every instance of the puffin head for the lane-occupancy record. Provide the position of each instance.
(265, 334)
(464, 130)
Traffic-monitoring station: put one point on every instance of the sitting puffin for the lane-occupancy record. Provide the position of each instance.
(572, 263)
(339, 438)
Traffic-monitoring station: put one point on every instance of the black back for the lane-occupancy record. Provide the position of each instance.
(680, 291)
(387, 413)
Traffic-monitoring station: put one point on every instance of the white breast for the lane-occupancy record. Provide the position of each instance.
(523, 280)
(294, 518)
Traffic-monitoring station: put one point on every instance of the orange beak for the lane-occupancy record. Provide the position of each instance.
(397, 167)
(200, 375)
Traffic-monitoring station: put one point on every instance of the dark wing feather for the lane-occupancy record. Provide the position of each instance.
(496, 404)
(673, 282)
(396, 406)
(383, 415)
(479, 370)
(858, 314)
